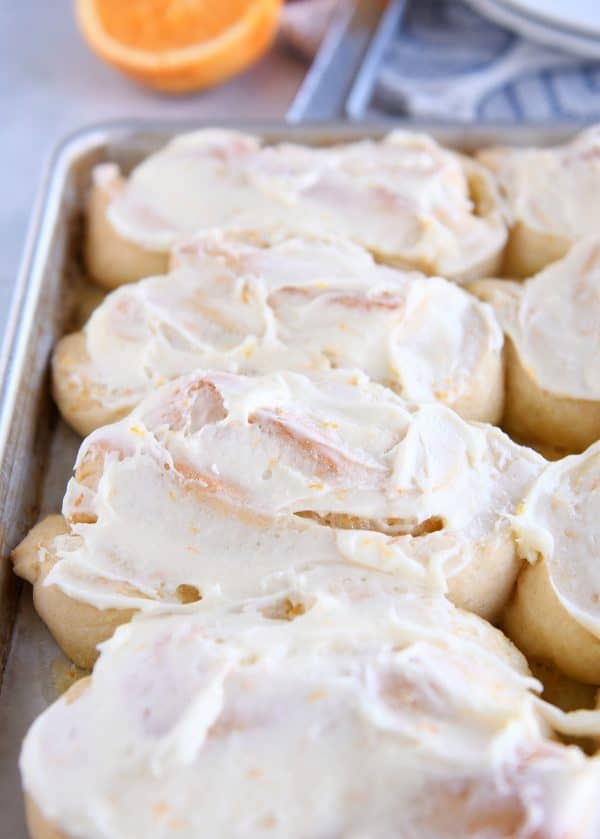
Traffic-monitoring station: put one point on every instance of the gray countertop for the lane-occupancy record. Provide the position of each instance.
(51, 84)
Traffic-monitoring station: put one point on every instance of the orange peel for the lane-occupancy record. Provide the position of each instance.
(179, 45)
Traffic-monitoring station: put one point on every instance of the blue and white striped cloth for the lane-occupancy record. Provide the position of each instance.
(447, 62)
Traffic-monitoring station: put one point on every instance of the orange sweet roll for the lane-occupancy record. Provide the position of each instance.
(552, 364)
(406, 199)
(231, 302)
(416, 719)
(554, 614)
(551, 197)
(226, 486)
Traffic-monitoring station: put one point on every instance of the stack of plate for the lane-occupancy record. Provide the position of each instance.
(573, 27)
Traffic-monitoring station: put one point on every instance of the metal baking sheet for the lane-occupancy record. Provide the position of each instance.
(37, 450)
(342, 76)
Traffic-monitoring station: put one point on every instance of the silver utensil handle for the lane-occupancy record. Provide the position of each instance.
(344, 67)
(362, 88)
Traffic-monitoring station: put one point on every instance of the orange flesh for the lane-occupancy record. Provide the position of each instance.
(163, 25)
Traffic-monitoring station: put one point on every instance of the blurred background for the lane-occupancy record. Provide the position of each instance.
(68, 64)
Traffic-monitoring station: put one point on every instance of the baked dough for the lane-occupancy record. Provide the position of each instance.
(552, 197)
(77, 627)
(560, 690)
(303, 304)
(38, 826)
(232, 487)
(413, 718)
(554, 614)
(111, 259)
(552, 326)
(404, 198)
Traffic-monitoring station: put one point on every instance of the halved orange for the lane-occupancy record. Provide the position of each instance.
(179, 45)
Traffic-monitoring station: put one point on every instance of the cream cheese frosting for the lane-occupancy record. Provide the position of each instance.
(405, 198)
(306, 304)
(560, 524)
(553, 320)
(363, 717)
(234, 486)
(554, 190)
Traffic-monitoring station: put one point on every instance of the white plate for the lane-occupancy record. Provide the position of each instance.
(533, 28)
(582, 15)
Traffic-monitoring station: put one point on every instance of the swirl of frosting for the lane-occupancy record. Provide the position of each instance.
(232, 486)
(411, 718)
(305, 304)
(404, 198)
